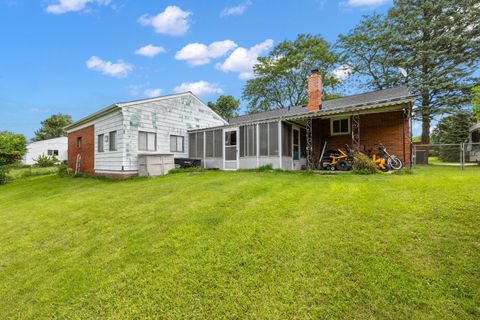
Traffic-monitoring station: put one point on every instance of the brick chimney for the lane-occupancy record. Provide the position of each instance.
(314, 91)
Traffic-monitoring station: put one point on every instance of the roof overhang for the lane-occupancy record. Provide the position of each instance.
(378, 107)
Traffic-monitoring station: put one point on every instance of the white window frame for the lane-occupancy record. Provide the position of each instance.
(155, 141)
(176, 137)
(101, 138)
(114, 140)
(339, 119)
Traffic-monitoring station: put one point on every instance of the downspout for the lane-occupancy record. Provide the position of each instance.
(403, 133)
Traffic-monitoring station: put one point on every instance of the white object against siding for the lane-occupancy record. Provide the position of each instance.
(56, 146)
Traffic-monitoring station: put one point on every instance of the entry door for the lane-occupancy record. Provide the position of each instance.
(231, 149)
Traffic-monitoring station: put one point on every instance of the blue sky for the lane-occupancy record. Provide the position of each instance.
(78, 56)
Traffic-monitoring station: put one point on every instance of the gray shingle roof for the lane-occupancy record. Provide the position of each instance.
(349, 103)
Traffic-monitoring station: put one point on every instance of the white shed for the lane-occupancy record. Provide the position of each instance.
(52, 147)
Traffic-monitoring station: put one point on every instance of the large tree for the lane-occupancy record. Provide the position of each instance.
(12, 147)
(52, 127)
(281, 77)
(436, 41)
(367, 52)
(225, 106)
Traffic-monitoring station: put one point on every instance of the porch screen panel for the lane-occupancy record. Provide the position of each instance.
(286, 139)
(192, 145)
(199, 145)
(263, 137)
(209, 144)
(252, 143)
(218, 144)
(243, 141)
(303, 143)
(273, 139)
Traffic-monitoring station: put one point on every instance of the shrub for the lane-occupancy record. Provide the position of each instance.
(4, 178)
(46, 161)
(364, 165)
(62, 170)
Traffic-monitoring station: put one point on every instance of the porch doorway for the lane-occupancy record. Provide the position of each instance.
(231, 149)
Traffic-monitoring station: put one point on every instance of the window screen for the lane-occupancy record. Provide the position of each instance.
(243, 142)
(79, 142)
(286, 139)
(263, 137)
(50, 152)
(112, 141)
(218, 144)
(192, 145)
(273, 139)
(100, 143)
(55, 152)
(199, 144)
(209, 144)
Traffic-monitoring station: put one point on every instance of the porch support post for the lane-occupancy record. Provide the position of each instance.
(309, 144)
(356, 132)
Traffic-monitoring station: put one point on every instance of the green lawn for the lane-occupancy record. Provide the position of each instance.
(16, 173)
(242, 245)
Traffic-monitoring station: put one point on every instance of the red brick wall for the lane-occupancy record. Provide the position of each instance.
(385, 128)
(87, 150)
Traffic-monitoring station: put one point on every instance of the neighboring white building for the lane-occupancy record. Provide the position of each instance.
(113, 141)
(52, 147)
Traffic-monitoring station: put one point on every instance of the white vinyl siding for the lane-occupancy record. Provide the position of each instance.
(110, 160)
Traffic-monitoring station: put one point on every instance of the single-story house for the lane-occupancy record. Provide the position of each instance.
(141, 137)
(294, 137)
(56, 147)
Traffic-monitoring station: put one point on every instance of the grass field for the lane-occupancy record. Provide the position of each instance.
(242, 245)
(17, 173)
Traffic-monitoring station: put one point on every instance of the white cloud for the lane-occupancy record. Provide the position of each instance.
(197, 54)
(173, 21)
(64, 6)
(237, 10)
(150, 51)
(119, 69)
(364, 3)
(242, 60)
(343, 72)
(152, 92)
(199, 88)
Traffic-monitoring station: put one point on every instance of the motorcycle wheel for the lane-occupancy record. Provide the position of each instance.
(395, 163)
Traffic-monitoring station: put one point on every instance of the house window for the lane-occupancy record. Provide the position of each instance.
(176, 143)
(147, 141)
(52, 152)
(340, 126)
(79, 142)
(100, 143)
(112, 146)
(55, 152)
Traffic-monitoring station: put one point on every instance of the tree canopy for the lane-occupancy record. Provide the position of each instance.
(52, 127)
(225, 106)
(436, 41)
(281, 77)
(12, 147)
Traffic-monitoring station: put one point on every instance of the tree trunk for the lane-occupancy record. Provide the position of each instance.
(426, 118)
(426, 129)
